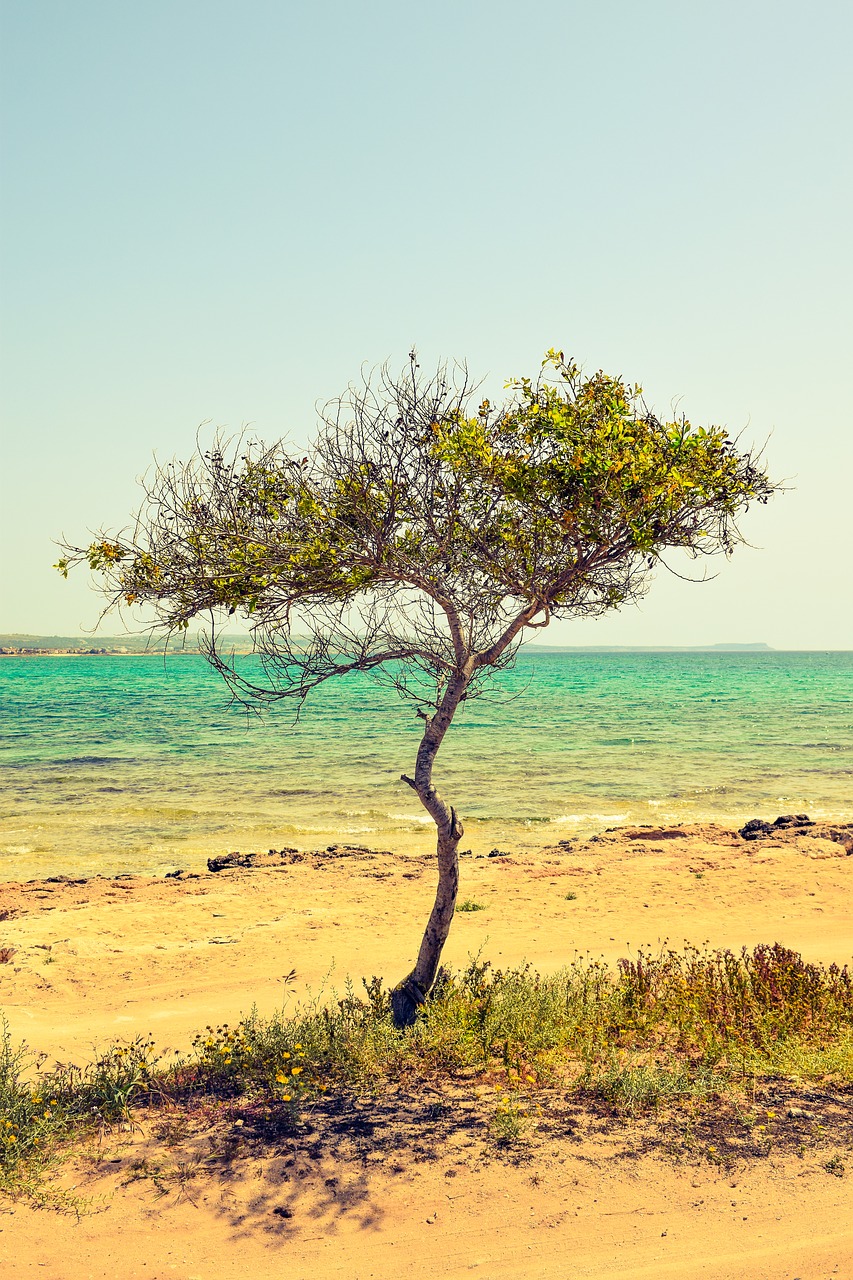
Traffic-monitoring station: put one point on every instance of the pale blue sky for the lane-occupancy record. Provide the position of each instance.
(220, 210)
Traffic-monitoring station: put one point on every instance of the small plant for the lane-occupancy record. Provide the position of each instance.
(509, 1122)
(253, 1057)
(570, 897)
(835, 1166)
(6, 954)
(635, 1087)
(117, 1078)
(31, 1116)
(470, 905)
(172, 1130)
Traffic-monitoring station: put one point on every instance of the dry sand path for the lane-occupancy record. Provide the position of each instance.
(124, 956)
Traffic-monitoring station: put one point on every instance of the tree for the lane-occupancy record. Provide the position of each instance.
(420, 539)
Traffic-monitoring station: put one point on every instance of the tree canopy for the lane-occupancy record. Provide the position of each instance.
(420, 537)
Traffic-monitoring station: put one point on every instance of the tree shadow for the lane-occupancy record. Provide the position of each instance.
(264, 1175)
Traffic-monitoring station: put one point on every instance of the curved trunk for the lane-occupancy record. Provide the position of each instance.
(413, 990)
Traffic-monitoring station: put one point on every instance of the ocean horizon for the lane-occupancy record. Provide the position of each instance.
(142, 765)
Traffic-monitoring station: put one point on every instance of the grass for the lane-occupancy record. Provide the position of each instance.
(470, 905)
(693, 1032)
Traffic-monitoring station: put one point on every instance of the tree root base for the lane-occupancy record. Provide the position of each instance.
(406, 999)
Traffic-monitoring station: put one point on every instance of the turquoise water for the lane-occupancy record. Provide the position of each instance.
(111, 764)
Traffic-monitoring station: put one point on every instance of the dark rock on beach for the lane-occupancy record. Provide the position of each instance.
(753, 829)
(800, 824)
(756, 827)
(273, 858)
(317, 858)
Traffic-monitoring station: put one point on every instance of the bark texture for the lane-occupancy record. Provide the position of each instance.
(412, 992)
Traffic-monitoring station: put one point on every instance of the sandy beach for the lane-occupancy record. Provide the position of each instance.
(104, 957)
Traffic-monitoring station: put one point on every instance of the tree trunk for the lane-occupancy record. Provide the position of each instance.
(413, 990)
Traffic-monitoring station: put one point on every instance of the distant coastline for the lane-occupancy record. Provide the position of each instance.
(45, 651)
(94, 653)
(12, 652)
(19, 645)
(12, 646)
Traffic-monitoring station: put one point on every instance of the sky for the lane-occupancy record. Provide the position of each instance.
(220, 212)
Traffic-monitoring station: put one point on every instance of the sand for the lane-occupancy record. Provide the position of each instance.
(119, 956)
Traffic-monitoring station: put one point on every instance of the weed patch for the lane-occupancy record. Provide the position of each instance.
(725, 1052)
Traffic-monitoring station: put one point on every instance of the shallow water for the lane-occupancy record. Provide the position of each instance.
(110, 764)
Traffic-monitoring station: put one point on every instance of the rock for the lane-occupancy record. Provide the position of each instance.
(756, 827)
(223, 861)
(843, 837)
(352, 851)
(650, 833)
(273, 858)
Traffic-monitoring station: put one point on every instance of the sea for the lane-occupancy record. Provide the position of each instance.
(145, 764)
